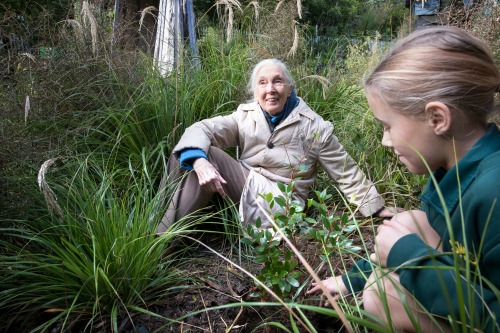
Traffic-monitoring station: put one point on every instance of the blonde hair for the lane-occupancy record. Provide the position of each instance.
(252, 83)
(438, 64)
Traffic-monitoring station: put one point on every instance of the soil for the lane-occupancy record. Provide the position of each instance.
(217, 283)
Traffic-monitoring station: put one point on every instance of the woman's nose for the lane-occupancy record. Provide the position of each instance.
(270, 87)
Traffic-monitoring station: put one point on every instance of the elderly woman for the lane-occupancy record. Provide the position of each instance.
(280, 139)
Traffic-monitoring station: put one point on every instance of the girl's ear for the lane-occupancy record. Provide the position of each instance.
(439, 117)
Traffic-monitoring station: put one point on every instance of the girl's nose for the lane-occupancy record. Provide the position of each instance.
(386, 140)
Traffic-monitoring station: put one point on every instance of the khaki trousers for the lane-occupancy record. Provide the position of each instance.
(189, 196)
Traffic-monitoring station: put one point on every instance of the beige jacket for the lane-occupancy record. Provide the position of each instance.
(298, 145)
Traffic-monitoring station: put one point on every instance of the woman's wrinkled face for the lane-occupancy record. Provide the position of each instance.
(271, 90)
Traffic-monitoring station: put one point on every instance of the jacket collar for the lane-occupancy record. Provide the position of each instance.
(301, 110)
(453, 183)
(291, 103)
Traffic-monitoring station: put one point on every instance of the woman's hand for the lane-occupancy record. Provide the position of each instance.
(334, 285)
(208, 177)
(388, 233)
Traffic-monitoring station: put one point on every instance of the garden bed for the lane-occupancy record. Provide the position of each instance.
(217, 283)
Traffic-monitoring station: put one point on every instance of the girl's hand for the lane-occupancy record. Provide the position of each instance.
(389, 212)
(334, 285)
(208, 177)
(388, 233)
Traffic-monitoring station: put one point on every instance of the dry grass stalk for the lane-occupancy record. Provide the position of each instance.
(256, 7)
(45, 188)
(230, 19)
(325, 83)
(78, 29)
(278, 6)
(228, 9)
(87, 14)
(144, 12)
(234, 3)
(28, 55)
(27, 108)
(295, 45)
(27, 104)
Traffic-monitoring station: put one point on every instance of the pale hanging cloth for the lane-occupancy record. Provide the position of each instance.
(170, 34)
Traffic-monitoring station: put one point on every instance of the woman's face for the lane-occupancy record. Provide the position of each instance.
(271, 90)
(413, 140)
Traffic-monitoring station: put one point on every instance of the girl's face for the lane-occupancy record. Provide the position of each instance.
(407, 136)
(271, 90)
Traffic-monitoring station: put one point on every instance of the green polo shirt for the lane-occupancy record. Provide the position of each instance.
(464, 209)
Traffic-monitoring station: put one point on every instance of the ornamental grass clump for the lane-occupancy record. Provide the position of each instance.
(94, 260)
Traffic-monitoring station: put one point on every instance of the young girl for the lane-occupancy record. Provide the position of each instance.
(434, 94)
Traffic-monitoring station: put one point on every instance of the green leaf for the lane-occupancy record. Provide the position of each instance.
(313, 233)
(274, 243)
(349, 228)
(310, 220)
(282, 284)
(281, 201)
(260, 248)
(258, 223)
(303, 167)
(247, 241)
(283, 218)
(275, 255)
(293, 282)
(309, 203)
(268, 235)
(326, 223)
(322, 195)
(261, 259)
(256, 294)
(250, 230)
